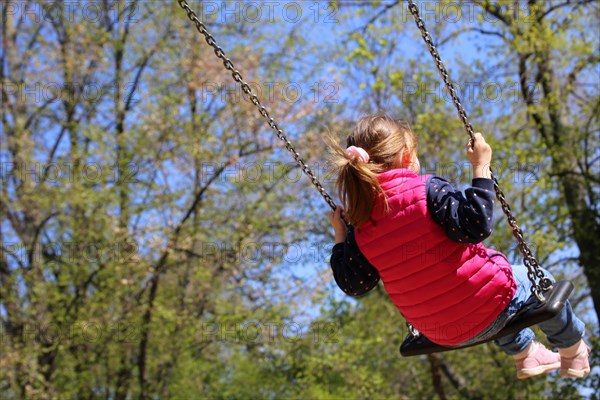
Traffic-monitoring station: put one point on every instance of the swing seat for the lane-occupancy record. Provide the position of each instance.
(533, 312)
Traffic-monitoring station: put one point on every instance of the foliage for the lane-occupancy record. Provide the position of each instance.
(149, 216)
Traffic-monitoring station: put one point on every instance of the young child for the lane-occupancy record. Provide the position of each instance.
(423, 238)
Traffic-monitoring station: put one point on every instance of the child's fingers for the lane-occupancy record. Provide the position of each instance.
(335, 216)
(477, 141)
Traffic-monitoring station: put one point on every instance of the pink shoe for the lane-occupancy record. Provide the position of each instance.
(536, 360)
(577, 366)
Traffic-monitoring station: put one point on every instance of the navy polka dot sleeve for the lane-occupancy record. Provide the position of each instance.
(467, 218)
(351, 270)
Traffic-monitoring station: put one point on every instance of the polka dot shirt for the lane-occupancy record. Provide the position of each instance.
(465, 218)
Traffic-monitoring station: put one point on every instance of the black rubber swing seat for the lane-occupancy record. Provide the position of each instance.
(533, 312)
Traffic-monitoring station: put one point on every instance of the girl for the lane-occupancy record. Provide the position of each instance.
(423, 238)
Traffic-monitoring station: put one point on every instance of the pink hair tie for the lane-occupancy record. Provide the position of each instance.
(359, 152)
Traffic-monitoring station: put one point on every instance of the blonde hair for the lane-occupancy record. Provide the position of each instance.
(388, 142)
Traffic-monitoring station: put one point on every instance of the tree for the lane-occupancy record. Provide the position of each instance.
(147, 209)
(565, 116)
(127, 211)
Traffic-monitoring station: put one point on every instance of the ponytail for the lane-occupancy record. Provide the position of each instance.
(384, 140)
(357, 184)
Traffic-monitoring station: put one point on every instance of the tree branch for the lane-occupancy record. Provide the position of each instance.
(579, 66)
(458, 382)
(560, 5)
(478, 30)
(375, 17)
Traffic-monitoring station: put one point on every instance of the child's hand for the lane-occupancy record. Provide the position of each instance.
(479, 154)
(339, 226)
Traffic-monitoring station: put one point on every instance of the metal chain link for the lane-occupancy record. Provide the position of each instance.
(237, 76)
(535, 274)
(534, 271)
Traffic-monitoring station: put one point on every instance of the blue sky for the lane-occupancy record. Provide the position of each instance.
(321, 30)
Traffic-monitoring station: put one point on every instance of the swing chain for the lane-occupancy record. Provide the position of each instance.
(237, 76)
(533, 268)
(540, 282)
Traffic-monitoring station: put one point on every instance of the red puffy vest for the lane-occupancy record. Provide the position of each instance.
(449, 291)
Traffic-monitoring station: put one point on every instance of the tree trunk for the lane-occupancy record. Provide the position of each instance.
(585, 222)
(586, 232)
(436, 375)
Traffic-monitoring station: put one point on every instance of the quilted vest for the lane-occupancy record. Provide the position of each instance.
(448, 291)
